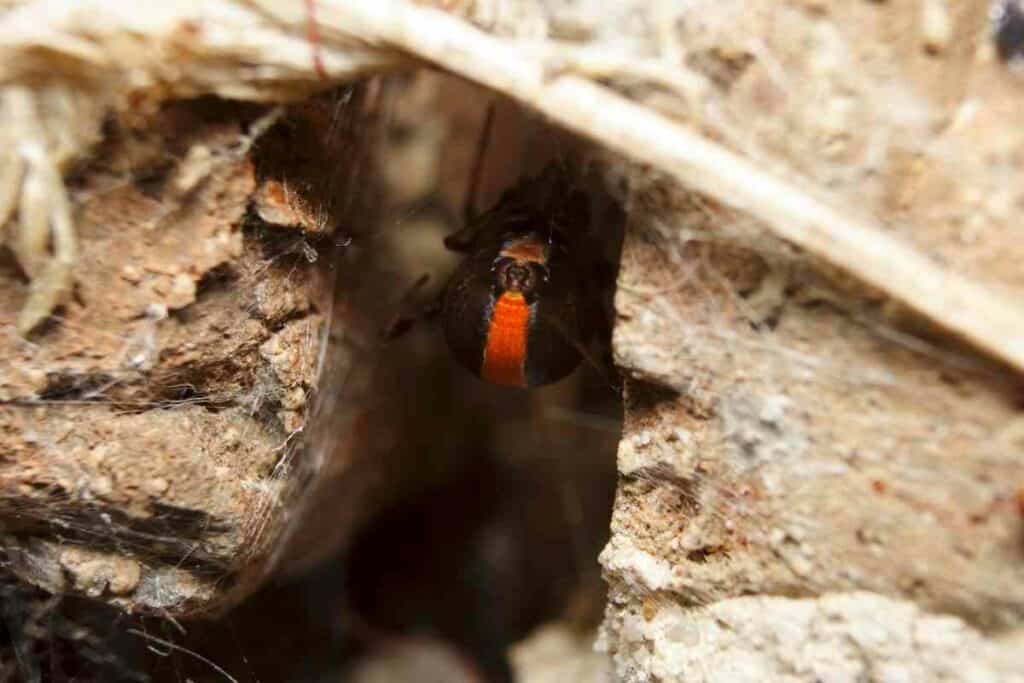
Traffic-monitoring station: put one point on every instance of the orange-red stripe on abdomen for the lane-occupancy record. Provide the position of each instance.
(505, 350)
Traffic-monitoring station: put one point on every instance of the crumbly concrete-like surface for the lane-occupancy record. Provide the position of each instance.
(144, 429)
(794, 449)
(808, 457)
(837, 637)
(789, 435)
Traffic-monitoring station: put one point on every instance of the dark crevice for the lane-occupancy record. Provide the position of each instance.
(722, 69)
(62, 386)
(705, 553)
(278, 323)
(644, 397)
(66, 638)
(1009, 29)
(285, 246)
(218, 279)
(172, 535)
(9, 264)
(209, 385)
(151, 181)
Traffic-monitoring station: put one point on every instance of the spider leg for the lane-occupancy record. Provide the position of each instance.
(412, 310)
(469, 209)
(462, 240)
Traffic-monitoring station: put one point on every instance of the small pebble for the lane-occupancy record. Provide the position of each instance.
(132, 274)
(156, 311)
(936, 25)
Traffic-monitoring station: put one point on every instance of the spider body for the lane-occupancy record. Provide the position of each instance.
(516, 311)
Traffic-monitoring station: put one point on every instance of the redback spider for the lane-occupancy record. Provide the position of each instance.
(529, 298)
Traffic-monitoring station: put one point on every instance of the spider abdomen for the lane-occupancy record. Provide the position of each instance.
(510, 313)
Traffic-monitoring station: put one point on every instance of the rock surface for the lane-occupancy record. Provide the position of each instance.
(149, 432)
(793, 440)
(837, 637)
